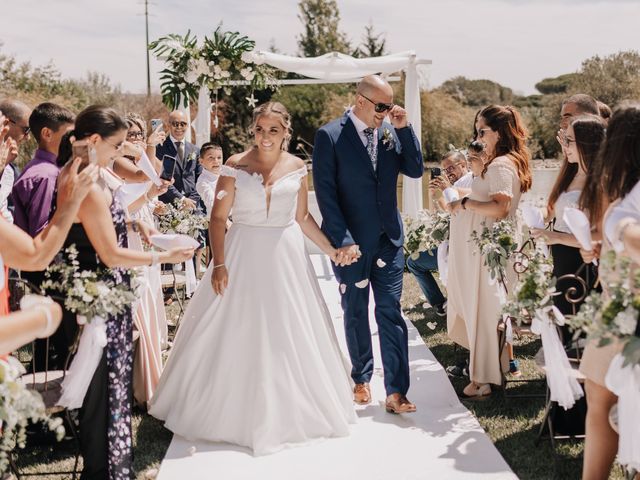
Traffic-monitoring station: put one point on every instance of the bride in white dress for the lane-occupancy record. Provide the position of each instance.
(256, 361)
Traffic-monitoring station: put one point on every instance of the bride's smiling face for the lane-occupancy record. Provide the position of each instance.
(269, 132)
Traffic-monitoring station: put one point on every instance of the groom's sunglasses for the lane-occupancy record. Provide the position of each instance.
(379, 107)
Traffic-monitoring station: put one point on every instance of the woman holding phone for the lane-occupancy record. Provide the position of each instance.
(100, 236)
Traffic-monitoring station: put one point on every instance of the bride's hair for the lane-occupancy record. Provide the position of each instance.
(285, 119)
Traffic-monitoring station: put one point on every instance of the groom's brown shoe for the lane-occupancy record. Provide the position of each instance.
(397, 403)
(362, 393)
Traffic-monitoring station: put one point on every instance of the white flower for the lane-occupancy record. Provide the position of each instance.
(426, 305)
(627, 320)
(216, 53)
(248, 57)
(182, 86)
(226, 73)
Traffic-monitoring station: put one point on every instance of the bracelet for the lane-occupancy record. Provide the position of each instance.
(155, 258)
(218, 266)
(49, 318)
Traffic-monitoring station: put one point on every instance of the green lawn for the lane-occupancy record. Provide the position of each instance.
(512, 424)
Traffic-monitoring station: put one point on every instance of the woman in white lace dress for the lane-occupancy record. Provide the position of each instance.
(256, 362)
(474, 304)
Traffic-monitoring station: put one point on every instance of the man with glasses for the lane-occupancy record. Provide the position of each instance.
(455, 174)
(356, 163)
(16, 117)
(187, 168)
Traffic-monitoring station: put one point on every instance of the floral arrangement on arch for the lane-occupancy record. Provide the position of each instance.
(222, 59)
(426, 232)
(614, 317)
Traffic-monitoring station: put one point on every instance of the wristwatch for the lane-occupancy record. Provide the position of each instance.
(463, 201)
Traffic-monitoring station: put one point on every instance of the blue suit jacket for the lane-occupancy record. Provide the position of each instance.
(185, 174)
(358, 204)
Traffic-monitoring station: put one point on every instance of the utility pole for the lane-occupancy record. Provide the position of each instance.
(146, 28)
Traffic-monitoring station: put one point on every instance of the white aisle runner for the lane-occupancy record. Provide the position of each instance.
(442, 440)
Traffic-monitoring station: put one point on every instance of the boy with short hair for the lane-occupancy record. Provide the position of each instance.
(211, 161)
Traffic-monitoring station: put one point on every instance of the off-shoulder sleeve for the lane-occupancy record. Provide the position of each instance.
(301, 172)
(226, 171)
(502, 176)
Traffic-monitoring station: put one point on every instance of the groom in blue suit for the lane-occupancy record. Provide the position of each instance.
(356, 163)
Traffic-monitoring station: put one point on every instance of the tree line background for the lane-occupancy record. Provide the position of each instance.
(447, 111)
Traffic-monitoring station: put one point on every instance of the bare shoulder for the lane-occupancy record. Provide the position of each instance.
(239, 160)
(293, 162)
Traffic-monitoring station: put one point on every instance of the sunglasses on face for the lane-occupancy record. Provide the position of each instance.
(179, 124)
(379, 107)
(25, 130)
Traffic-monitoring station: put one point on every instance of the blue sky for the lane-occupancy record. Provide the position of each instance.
(514, 42)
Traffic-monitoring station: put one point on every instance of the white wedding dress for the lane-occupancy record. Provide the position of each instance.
(260, 365)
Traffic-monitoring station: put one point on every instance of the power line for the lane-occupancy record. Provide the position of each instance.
(146, 28)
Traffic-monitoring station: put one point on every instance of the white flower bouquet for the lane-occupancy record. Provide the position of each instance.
(177, 220)
(18, 407)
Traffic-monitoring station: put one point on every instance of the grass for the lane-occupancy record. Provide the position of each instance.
(512, 424)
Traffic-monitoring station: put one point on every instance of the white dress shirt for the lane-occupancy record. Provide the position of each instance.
(361, 127)
(206, 188)
(6, 185)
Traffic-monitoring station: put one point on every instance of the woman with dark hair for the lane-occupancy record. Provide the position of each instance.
(100, 237)
(474, 300)
(582, 141)
(616, 179)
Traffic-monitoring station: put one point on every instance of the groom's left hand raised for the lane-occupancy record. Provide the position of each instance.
(398, 117)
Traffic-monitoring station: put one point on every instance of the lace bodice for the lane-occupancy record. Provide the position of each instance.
(252, 204)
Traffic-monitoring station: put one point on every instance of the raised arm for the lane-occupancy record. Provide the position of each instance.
(411, 163)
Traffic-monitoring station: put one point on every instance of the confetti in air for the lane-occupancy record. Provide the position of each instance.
(343, 288)
(432, 325)
(381, 263)
(362, 283)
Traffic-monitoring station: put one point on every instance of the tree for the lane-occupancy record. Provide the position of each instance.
(560, 84)
(477, 93)
(373, 45)
(320, 19)
(610, 79)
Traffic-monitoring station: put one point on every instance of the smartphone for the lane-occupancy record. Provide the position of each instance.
(155, 123)
(435, 172)
(168, 166)
(83, 150)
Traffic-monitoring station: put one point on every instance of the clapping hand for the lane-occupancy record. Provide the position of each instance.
(398, 117)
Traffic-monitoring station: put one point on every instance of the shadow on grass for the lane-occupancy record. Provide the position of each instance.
(150, 443)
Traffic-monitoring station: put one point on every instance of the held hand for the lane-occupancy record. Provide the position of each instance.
(398, 117)
(347, 255)
(146, 230)
(74, 186)
(178, 255)
(188, 204)
(220, 280)
(157, 137)
(590, 256)
(160, 208)
(155, 190)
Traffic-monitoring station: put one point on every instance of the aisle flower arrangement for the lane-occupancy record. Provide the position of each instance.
(426, 232)
(496, 243)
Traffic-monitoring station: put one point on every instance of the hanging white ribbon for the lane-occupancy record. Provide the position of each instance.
(508, 330)
(76, 381)
(625, 382)
(202, 123)
(443, 261)
(191, 282)
(563, 385)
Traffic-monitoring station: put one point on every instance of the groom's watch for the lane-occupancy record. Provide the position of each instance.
(463, 201)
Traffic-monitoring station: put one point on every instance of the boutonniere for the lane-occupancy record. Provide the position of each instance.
(191, 156)
(387, 139)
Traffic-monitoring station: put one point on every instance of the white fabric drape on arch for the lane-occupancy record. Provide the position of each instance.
(338, 66)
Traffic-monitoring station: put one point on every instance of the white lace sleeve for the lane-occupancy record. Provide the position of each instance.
(226, 171)
(301, 172)
(502, 176)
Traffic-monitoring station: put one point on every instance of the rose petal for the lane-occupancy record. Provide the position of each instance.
(381, 263)
(221, 194)
(432, 325)
(343, 288)
(426, 305)
(192, 450)
(362, 283)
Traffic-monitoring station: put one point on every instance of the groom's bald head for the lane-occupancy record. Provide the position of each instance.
(372, 85)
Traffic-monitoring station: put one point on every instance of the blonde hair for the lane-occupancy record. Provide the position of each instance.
(285, 119)
(136, 119)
